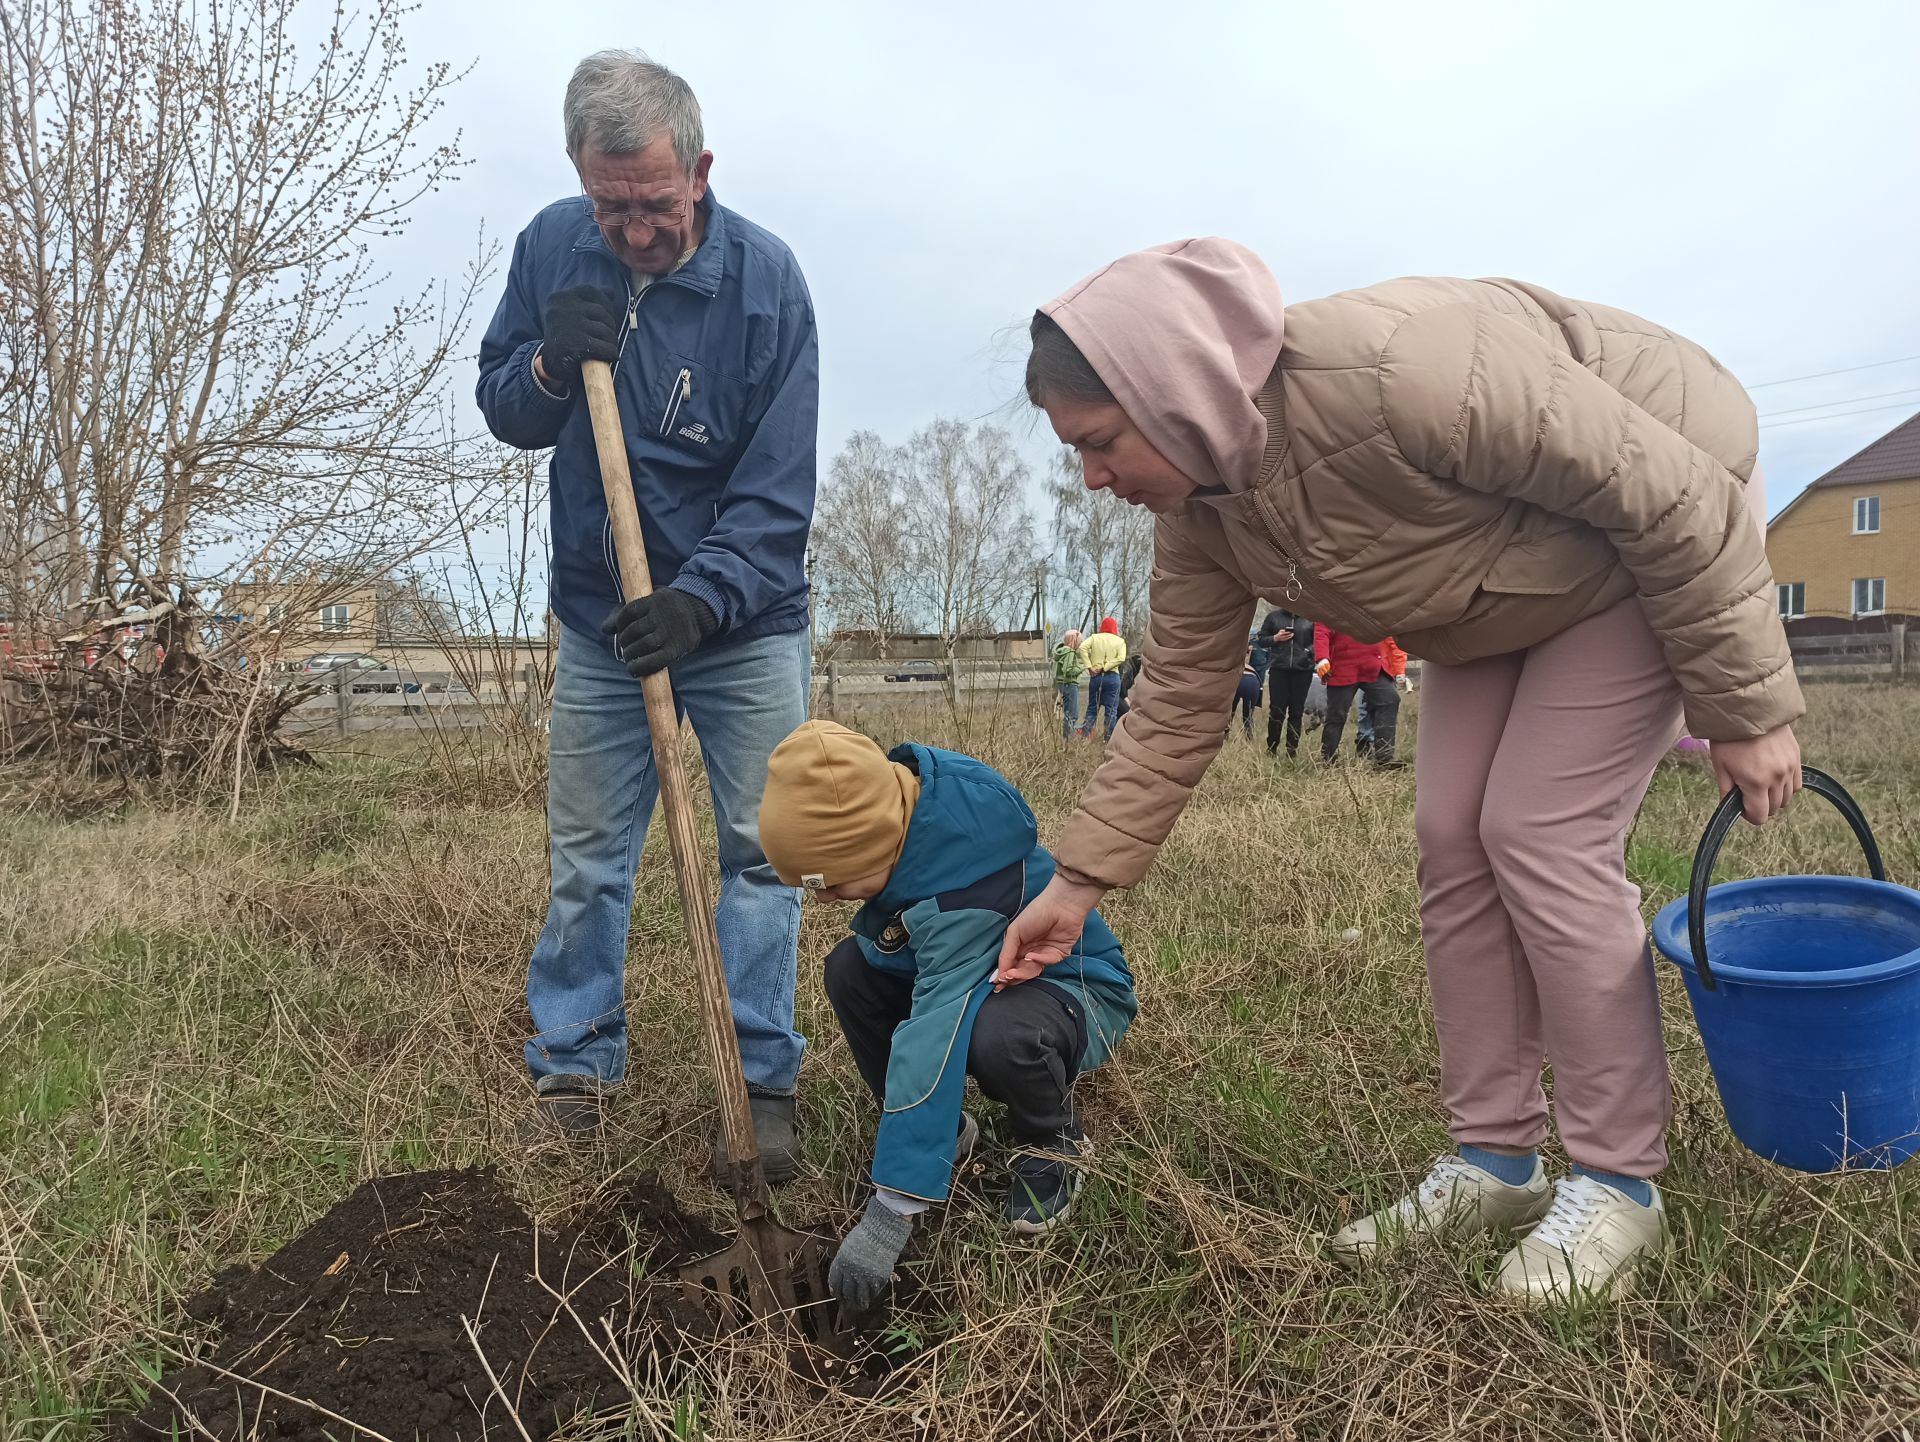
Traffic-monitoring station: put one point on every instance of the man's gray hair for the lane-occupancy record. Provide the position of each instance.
(620, 101)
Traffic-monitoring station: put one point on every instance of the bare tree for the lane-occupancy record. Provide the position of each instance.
(205, 374)
(1081, 521)
(860, 540)
(1105, 549)
(1130, 563)
(969, 530)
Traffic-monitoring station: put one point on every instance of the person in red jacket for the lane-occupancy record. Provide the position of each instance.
(1349, 667)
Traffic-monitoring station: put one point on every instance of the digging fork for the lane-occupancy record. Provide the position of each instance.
(769, 1272)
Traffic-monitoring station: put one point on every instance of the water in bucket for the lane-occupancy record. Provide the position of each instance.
(1807, 994)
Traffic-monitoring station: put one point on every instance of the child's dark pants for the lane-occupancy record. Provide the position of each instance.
(1026, 1047)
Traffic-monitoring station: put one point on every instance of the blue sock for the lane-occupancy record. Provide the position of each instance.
(1639, 1188)
(1514, 1171)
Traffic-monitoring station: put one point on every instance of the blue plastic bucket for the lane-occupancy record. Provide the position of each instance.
(1810, 1006)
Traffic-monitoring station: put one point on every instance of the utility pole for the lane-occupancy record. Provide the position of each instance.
(813, 612)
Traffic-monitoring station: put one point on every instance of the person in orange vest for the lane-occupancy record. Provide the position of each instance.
(1393, 664)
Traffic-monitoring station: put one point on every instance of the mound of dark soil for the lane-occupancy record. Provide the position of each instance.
(366, 1316)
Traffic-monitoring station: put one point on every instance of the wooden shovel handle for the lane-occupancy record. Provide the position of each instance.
(696, 904)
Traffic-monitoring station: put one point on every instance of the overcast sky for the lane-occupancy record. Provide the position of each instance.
(1743, 173)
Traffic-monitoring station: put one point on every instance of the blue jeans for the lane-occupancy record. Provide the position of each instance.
(1103, 693)
(743, 698)
(1069, 705)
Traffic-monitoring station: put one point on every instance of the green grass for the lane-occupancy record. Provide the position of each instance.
(210, 1031)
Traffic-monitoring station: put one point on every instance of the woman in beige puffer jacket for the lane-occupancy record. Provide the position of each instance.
(1546, 501)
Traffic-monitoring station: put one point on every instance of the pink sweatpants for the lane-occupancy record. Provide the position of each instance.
(1531, 768)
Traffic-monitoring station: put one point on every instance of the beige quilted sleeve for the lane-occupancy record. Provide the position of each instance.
(1176, 711)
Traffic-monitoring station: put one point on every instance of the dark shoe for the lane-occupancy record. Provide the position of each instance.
(773, 1131)
(564, 1114)
(1045, 1182)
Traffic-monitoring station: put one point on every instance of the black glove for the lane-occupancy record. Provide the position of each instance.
(583, 324)
(655, 631)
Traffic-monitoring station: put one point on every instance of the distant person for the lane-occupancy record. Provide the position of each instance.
(1069, 670)
(1393, 665)
(720, 393)
(1554, 505)
(1105, 654)
(1247, 698)
(941, 851)
(1129, 673)
(1261, 649)
(1289, 676)
(1352, 667)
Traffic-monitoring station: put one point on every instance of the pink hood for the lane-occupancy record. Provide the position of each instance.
(1184, 335)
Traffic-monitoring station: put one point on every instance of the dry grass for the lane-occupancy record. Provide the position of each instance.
(209, 1031)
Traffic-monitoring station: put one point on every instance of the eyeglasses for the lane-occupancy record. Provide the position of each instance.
(654, 217)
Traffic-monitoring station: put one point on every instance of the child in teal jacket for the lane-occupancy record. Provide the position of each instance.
(942, 852)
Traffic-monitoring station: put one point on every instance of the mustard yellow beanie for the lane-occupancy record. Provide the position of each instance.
(835, 808)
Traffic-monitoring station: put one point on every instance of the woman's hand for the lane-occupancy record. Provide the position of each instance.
(1765, 768)
(1045, 930)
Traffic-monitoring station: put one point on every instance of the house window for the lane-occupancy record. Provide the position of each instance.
(334, 618)
(1866, 515)
(1869, 595)
(1791, 597)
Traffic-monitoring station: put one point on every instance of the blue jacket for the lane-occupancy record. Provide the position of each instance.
(972, 859)
(719, 387)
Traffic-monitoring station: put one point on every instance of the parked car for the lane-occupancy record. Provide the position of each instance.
(342, 665)
(915, 671)
(342, 661)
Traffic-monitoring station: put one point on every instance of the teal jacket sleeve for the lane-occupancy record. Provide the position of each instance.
(927, 1072)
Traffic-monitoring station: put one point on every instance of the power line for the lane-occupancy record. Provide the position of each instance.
(1844, 370)
(1865, 410)
(1850, 400)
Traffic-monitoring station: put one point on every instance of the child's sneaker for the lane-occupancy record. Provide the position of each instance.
(968, 1139)
(1455, 1199)
(1589, 1243)
(1045, 1182)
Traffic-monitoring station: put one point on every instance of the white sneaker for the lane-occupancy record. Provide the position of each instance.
(1588, 1243)
(1456, 1199)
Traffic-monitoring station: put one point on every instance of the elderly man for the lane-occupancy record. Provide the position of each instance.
(710, 330)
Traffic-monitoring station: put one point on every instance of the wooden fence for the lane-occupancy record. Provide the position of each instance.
(358, 701)
(839, 684)
(1860, 656)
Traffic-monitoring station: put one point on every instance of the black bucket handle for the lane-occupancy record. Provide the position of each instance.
(1708, 852)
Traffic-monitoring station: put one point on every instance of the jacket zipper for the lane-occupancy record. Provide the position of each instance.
(682, 392)
(1298, 585)
(633, 316)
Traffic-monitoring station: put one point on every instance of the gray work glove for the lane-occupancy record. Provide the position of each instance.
(863, 1267)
